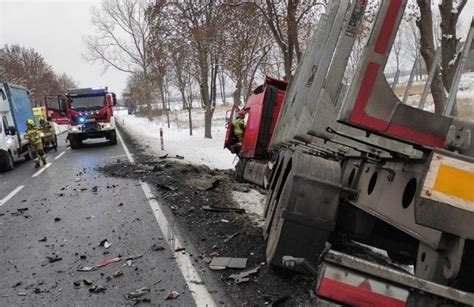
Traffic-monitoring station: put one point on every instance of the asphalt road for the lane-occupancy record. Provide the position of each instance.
(68, 209)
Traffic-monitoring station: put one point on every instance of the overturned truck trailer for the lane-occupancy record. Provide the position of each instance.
(354, 162)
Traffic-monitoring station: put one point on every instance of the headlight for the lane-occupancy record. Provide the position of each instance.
(41, 134)
(75, 128)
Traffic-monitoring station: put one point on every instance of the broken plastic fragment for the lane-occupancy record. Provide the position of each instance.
(137, 293)
(172, 295)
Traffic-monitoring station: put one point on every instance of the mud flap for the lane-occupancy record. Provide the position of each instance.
(306, 213)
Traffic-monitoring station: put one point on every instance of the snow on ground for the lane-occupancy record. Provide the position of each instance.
(195, 149)
(177, 141)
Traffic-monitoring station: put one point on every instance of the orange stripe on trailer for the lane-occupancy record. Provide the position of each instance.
(455, 182)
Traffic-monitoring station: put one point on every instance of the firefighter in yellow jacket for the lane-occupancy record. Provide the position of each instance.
(33, 135)
(48, 137)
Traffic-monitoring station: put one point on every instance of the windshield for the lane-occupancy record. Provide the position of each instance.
(87, 102)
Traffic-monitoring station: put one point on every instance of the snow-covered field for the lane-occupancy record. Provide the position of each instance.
(177, 141)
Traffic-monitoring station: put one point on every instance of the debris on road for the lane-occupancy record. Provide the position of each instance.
(21, 294)
(117, 274)
(94, 189)
(81, 268)
(163, 156)
(230, 237)
(132, 257)
(156, 247)
(166, 187)
(244, 276)
(172, 295)
(241, 189)
(108, 261)
(44, 239)
(179, 157)
(19, 283)
(223, 209)
(180, 249)
(97, 289)
(57, 219)
(104, 243)
(54, 258)
(137, 293)
(222, 263)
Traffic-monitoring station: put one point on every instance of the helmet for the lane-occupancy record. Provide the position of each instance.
(241, 114)
(41, 121)
(30, 122)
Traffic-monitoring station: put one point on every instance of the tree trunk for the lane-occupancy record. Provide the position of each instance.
(190, 120)
(208, 122)
(427, 50)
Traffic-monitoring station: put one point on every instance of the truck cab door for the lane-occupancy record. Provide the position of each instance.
(10, 136)
(56, 109)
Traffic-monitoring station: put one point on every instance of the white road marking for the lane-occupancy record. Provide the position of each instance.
(10, 196)
(41, 170)
(127, 153)
(60, 155)
(200, 293)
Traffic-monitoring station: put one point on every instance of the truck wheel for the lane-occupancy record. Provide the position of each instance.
(9, 164)
(306, 212)
(75, 142)
(239, 170)
(113, 138)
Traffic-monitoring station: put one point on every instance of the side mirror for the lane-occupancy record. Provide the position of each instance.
(12, 130)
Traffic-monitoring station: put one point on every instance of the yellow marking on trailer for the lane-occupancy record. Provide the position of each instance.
(455, 182)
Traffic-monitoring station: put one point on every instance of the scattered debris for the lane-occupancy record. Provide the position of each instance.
(222, 263)
(128, 263)
(87, 282)
(137, 293)
(156, 247)
(108, 261)
(172, 295)
(164, 156)
(230, 237)
(197, 282)
(81, 268)
(244, 276)
(209, 185)
(21, 294)
(21, 210)
(54, 258)
(77, 283)
(97, 289)
(43, 240)
(224, 221)
(179, 157)
(180, 249)
(279, 300)
(223, 209)
(117, 274)
(94, 189)
(166, 187)
(19, 283)
(133, 257)
(83, 257)
(242, 189)
(57, 219)
(106, 244)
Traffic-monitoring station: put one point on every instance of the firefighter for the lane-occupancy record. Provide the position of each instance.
(238, 128)
(48, 134)
(33, 135)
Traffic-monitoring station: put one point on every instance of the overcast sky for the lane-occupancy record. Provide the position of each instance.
(55, 28)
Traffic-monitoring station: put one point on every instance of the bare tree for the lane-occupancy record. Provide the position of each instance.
(121, 39)
(28, 68)
(284, 19)
(199, 22)
(66, 82)
(449, 11)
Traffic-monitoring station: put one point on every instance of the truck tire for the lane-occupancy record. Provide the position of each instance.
(113, 138)
(8, 164)
(75, 142)
(306, 212)
(239, 170)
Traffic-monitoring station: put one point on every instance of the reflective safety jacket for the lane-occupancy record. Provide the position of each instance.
(239, 127)
(33, 135)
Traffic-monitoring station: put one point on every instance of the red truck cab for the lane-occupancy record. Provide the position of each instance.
(261, 115)
(87, 111)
